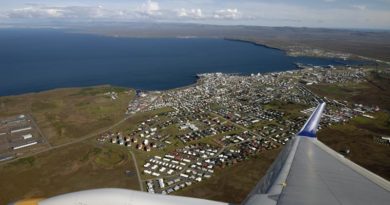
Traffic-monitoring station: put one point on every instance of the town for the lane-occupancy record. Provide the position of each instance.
(222, 120)
(225, 119)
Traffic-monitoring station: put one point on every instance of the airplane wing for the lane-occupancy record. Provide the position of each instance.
(305, 172)
(112, 196)
(309, 172)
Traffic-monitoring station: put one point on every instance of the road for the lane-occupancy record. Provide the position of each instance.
(86, 137)
(141, 184)
(53, 147)
(39, 129)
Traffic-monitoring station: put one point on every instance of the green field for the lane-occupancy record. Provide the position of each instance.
(71, 168)
(67, 114)
(357, 135)
(375, 91)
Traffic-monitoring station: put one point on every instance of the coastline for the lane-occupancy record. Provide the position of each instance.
(192, 80)
(64, 89)
(197, 80)
(183, 87)
(291, 52)
(97, 86)
(254, 43)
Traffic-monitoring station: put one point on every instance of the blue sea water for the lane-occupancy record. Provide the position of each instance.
(34, 60)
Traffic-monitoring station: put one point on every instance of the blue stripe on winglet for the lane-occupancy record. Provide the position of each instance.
(311, 125)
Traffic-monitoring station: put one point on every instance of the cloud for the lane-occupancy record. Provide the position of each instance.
(282, 14)
(149, 7)
(190, 13)
(148, 10)
(36, 12)
(226, 14)
(360, 7)
(219, 14)
(3, 16)
(336, 14)
(67, 12)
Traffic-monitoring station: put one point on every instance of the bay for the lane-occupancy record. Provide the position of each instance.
(33, 60)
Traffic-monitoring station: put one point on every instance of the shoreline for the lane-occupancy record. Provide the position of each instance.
(196, 79)
(254, 43)
(62, 89)
(96, 86)
(288, 52)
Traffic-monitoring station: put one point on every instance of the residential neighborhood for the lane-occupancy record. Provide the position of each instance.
(225, 119)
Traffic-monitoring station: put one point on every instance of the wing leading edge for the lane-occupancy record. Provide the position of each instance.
(309, 172)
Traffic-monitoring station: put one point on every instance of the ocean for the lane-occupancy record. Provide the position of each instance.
(33, 60)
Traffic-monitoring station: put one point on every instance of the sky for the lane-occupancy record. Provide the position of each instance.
(368, 14)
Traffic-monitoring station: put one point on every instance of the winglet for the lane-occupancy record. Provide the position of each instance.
(311, 125)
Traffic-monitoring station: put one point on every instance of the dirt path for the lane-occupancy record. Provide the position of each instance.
(141, 184)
